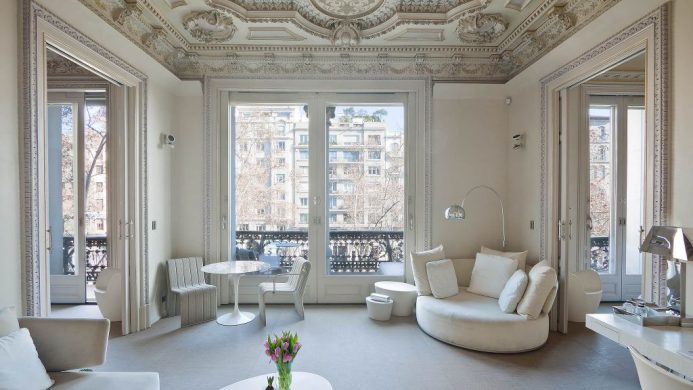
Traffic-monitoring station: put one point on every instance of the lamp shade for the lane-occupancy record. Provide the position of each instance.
(669, 241)
(455, 212)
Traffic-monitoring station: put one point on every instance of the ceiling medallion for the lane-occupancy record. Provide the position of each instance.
(347, 9)
(209, 26)
(481, 28)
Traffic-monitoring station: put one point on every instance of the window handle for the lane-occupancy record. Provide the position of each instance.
(316, 200)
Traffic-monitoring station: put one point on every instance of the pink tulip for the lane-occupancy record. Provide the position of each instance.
(277, 351)
(285, 345)
(287, 358)
(267, 352)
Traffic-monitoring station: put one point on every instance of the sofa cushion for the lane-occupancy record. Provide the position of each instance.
(513, 291)
(20, 367)
(442, 278)
(541, 280)
(8, 321)
(521, 257)
(476, 322)
(490, 273)
(418, 267)
(105, 380)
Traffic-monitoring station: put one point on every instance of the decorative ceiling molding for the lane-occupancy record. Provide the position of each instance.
(322, 37)
(620, 76)
(272, 34)
(481, 28)
(209, 26)
(419, 35)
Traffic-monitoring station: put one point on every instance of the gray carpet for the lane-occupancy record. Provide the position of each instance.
(353, 352)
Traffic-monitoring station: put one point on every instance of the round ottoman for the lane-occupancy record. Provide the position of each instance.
(379, 311)
(403, 294)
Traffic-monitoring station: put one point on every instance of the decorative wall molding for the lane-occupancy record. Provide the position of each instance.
(659, 20)
(382, 36)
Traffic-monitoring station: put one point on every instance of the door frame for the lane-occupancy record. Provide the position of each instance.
(418, 107)
(39, 30)
(651, 33)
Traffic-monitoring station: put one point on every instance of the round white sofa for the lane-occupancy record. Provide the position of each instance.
(476, 322)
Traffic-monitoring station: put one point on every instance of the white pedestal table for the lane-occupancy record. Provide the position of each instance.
(235, 269)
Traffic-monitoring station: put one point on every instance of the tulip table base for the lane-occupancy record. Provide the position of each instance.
(235, 318)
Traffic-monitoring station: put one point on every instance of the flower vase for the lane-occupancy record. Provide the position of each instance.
(284, 375)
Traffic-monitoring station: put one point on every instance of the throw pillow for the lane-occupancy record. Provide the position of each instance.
(541, 280)
(418, 267)
(20, 367)
(8, 321)
(442, 278)
(513, 291)
(490, 273)
(521, 257)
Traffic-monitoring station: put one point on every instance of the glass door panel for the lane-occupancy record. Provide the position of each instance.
(270, 183)
(365, 189)
(601, 191)
(95, 190)
(634, 186)
(62, 191)
(64, 145)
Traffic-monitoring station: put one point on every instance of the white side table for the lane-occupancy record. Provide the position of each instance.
(235, 269)
(404, 295)
(299, 381)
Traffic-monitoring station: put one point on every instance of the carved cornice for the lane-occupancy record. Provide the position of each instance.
(344, 27)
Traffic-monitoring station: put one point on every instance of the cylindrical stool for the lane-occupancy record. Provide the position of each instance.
(377, 310)
(403, 295)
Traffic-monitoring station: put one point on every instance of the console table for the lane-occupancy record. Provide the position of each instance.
(670, 346)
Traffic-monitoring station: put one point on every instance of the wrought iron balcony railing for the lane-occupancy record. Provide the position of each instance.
(599, 254)
(348, 251)
(95, 256)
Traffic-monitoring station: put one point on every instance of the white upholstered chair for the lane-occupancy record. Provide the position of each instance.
(109, 294)
(653, 377)
(197, 299)
(295, 285)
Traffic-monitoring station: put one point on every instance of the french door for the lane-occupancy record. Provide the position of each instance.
(318, 175)
(76, 187)
(615, 193)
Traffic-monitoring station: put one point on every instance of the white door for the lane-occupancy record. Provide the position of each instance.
(322, 176)
(76, 193)
(63, 140)
(615, 197)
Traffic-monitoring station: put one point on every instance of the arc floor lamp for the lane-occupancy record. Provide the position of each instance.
(456, 211)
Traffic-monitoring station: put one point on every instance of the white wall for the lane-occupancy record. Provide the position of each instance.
(682, 126)
(188, 175)
(469, 139)
(10, 212)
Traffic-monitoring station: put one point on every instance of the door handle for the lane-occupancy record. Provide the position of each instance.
(49, 239)
(589, 223)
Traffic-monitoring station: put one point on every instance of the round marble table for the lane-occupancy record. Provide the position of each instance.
(299, 381)
(236, 269)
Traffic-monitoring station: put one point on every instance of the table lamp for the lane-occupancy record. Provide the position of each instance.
(674, 243)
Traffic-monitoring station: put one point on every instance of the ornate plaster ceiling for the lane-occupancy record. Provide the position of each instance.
(484, 40)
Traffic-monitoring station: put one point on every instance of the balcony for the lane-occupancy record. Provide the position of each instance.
(95, 255)
(599, 249)
(349, 252)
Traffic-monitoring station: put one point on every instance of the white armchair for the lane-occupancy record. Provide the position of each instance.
(109, 294)
(295, 285)
(197, 300)
(654, 377)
